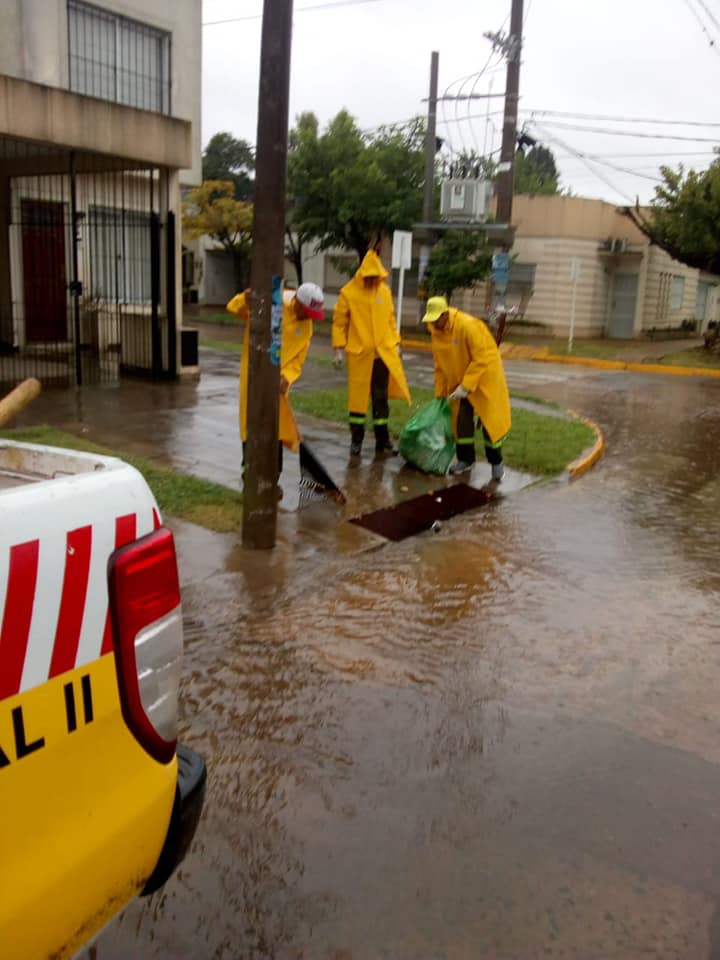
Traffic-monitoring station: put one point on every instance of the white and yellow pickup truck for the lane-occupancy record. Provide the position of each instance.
(98, 802)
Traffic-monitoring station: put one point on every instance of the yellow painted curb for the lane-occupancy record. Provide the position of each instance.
(580, 466)
(623, 365)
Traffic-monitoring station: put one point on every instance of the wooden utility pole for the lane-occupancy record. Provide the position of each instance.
(430, 146)
(512, 91)
(261, 451)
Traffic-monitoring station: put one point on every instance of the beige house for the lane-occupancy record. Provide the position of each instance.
(99, 128)
(623, 286)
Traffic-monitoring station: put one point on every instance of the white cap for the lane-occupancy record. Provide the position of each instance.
(312, 299)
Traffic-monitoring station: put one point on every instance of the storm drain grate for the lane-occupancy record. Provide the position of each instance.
(414, 516)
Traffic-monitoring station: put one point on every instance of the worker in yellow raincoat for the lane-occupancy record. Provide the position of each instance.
(364, 328)
(300, 309)
(469, 372)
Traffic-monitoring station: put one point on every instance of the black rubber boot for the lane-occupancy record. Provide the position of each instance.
(357, 433)
(383, 443)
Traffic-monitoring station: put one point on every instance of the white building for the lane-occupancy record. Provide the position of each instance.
(99, 129)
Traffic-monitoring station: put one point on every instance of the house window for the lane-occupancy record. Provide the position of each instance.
(118, 59)
(120, 255)
(677, 289)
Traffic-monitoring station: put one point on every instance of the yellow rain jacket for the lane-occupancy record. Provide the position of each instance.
(296, 337)
(465, 353)
(364, 326)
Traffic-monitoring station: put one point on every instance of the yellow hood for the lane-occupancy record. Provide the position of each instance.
(371, 266)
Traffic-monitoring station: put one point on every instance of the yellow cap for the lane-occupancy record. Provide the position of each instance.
(436, 306)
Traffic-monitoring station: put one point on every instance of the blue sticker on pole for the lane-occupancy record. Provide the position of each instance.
(276, 313)
(500, 271)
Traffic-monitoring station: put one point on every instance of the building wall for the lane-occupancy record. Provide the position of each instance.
(658, 312)
(34, 47)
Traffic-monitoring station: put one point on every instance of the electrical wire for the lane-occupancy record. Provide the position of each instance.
(704, 29)
(710, 14)
(614, 119)
(317, 6)
(628, 133)
(597, 173)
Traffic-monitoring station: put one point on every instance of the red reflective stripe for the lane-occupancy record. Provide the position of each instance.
(22, 577)
(72, 603)
(125, 532)
(156, 519)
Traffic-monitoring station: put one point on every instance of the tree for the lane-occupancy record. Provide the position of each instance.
(302, 168)
(212, 209)
(536, 171)
(226, 158)
(458, 262)
(685, 216)
(347, 189)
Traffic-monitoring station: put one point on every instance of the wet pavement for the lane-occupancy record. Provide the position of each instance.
(496, 741)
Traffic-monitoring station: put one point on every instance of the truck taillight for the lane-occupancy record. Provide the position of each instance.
(148, 638)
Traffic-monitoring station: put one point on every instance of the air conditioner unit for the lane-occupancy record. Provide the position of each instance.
(465, 200)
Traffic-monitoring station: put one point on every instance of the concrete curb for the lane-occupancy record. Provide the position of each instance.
(587, 460)
(522, 352)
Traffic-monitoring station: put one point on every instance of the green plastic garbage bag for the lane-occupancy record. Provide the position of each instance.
(427, 440)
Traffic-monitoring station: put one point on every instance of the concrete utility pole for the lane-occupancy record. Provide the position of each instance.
(512, 90)
(261, 453)
(430, 142)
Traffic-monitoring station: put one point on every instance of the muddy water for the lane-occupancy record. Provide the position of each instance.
(497, 741)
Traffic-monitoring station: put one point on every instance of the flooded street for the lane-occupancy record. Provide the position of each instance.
(499, 741)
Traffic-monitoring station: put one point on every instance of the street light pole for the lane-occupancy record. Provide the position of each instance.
(261, 451)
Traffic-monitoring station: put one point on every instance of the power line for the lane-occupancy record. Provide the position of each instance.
(629, 133)
(598, 174)
(704, 29)
(608, 118)
(709, 12)
(317, 6)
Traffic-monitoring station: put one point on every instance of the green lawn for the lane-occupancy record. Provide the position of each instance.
(543, 445)
(229, 346)
(208, 504)
(696, 357)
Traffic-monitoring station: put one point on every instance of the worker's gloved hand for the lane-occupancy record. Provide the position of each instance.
(284, 384)
(338, 358)
(459, 393)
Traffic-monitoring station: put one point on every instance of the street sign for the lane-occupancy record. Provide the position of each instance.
(402, 250)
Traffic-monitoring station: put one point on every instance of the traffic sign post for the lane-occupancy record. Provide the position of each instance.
(402, 261)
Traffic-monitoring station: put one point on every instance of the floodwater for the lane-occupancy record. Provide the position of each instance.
(499, 742)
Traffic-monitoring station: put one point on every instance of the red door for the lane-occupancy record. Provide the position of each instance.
(43, 245)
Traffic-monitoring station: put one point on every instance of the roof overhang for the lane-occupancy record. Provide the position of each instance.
(71, 121)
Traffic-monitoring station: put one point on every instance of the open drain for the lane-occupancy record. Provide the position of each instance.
(414, 516)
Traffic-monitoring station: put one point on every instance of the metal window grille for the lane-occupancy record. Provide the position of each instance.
(114, 58)
(87, 282)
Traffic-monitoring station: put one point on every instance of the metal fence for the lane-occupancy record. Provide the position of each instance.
(81, 268)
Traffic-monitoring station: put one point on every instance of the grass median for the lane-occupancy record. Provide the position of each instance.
(180, 495)
(538, 444)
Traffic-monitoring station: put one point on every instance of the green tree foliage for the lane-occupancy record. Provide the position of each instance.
(536, 171)
(685, 216)
(348, 189)
(211, 209)
(460, 261)
(226, 158)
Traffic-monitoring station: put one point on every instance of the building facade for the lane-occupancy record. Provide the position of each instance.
(99, 130)
(593, 266)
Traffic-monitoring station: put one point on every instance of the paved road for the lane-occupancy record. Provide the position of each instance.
(499, 741)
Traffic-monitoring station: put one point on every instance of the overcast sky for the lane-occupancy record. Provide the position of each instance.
(648, 59)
